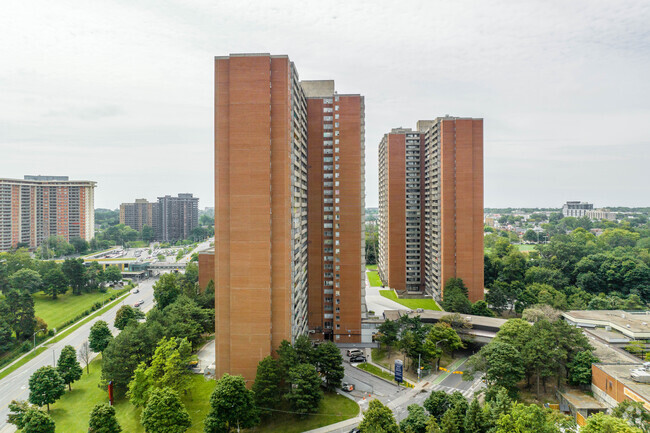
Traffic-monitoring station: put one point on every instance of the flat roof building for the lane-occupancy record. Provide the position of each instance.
(576, 209)
(137, 215)
(33, 209)
(614, 383)
(176, 217)
(431, 206)
(634, 325)
(269, 129)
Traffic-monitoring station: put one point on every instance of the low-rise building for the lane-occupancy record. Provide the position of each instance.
(614, 383)
(576, 208)
(634, 325)
(601, 214)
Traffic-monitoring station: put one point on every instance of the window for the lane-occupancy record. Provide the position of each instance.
(327, 134)
(327, 109)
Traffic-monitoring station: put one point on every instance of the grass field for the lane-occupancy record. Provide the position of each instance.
(427, 304)
(72, 412)
(66, 307)
(333, 408)
(371, 267)
(374, 279)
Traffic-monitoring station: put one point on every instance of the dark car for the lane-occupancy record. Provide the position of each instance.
(358, 358)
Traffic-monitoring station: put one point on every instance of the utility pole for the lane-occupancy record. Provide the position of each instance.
(419, 369)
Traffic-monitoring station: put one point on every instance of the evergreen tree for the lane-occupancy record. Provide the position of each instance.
(37, 421)
(330, 364)
(232, 406)
(21, 313)
(103, 420)
(165, 413)
(304, 394)
(432, 425)
(437, 404)
(474, 418)
(305, 351)
(449, 422)
(45, 386)
(68, 366)
(267, 384)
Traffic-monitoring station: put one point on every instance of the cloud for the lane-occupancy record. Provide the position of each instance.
(87, 113)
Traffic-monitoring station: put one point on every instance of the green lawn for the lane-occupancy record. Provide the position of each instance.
(371, 267)
(373, 276)
(66, 307)
(427, 304)
(72, 411)
(520, 247)
(333, 408)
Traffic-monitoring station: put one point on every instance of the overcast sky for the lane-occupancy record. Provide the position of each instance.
(121, 91)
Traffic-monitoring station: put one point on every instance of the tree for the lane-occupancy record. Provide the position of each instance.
(378, 418)
(26, 279)
(266, 387)
(450, 422)
(37, 421)
(634, 413)
(441, 338)
(183, 319)
(75, 273)
(55, 282)
(432, 425)
(168, 367)
(601, 423)
(166, 290)
(68, 367)
(580, 368)
(45, 386)
(304, 350)
(232, 406)
(125, 315)
(502, 364)
(126, 351)
(103, 420)
(526, 419)
(416, 421)
(21, 313)
(112, 274)
(480, 308)
(17, 410)
(147, 233)
(100, 336)
(165, 413)
(474, 422)
(455, 297)
(388, 334)
(80, 245)
(139, 387)
(6, 333)
(305, 394)
(330, 364)
(530, 236)
(84, 354)
(287, 358)
(437, 404)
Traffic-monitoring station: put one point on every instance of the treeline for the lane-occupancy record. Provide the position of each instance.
(21, 276)
(451, 413)
(573, 271)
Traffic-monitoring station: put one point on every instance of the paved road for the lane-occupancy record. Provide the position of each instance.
(377, 303)
(15, 385)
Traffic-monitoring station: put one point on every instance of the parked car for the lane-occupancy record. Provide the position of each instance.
(137, 304)
(136, 291)
(353, 352)
(358, 358)
(347, 387)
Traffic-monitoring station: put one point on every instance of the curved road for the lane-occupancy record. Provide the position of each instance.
(15, 385)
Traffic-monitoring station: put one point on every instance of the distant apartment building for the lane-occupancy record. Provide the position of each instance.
(289, 192)
(37, 207)
(576, 209)
(176, 217)
(601, 214)
(137, 215)
(431, 206)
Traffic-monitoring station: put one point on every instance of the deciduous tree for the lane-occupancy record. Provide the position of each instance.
(232, 406)
(330, 364)
(416, 421)
(26, 279)
(75, 273)
(378, 418)
(68, 367)
(304, 394)
(100, 336)
(55, 283)
(45, 386)
(125, 315)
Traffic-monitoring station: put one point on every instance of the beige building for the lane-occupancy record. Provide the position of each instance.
(137, 215)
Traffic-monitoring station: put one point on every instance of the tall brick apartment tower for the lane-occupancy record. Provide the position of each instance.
(336, 229)
(263, 184)
(431, 206)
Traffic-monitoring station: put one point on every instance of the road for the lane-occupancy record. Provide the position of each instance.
(377, 303)
(15, 385)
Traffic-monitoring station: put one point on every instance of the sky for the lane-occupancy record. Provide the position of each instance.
(121, 91)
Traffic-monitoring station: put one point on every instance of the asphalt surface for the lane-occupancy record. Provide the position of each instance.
(15, 385)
